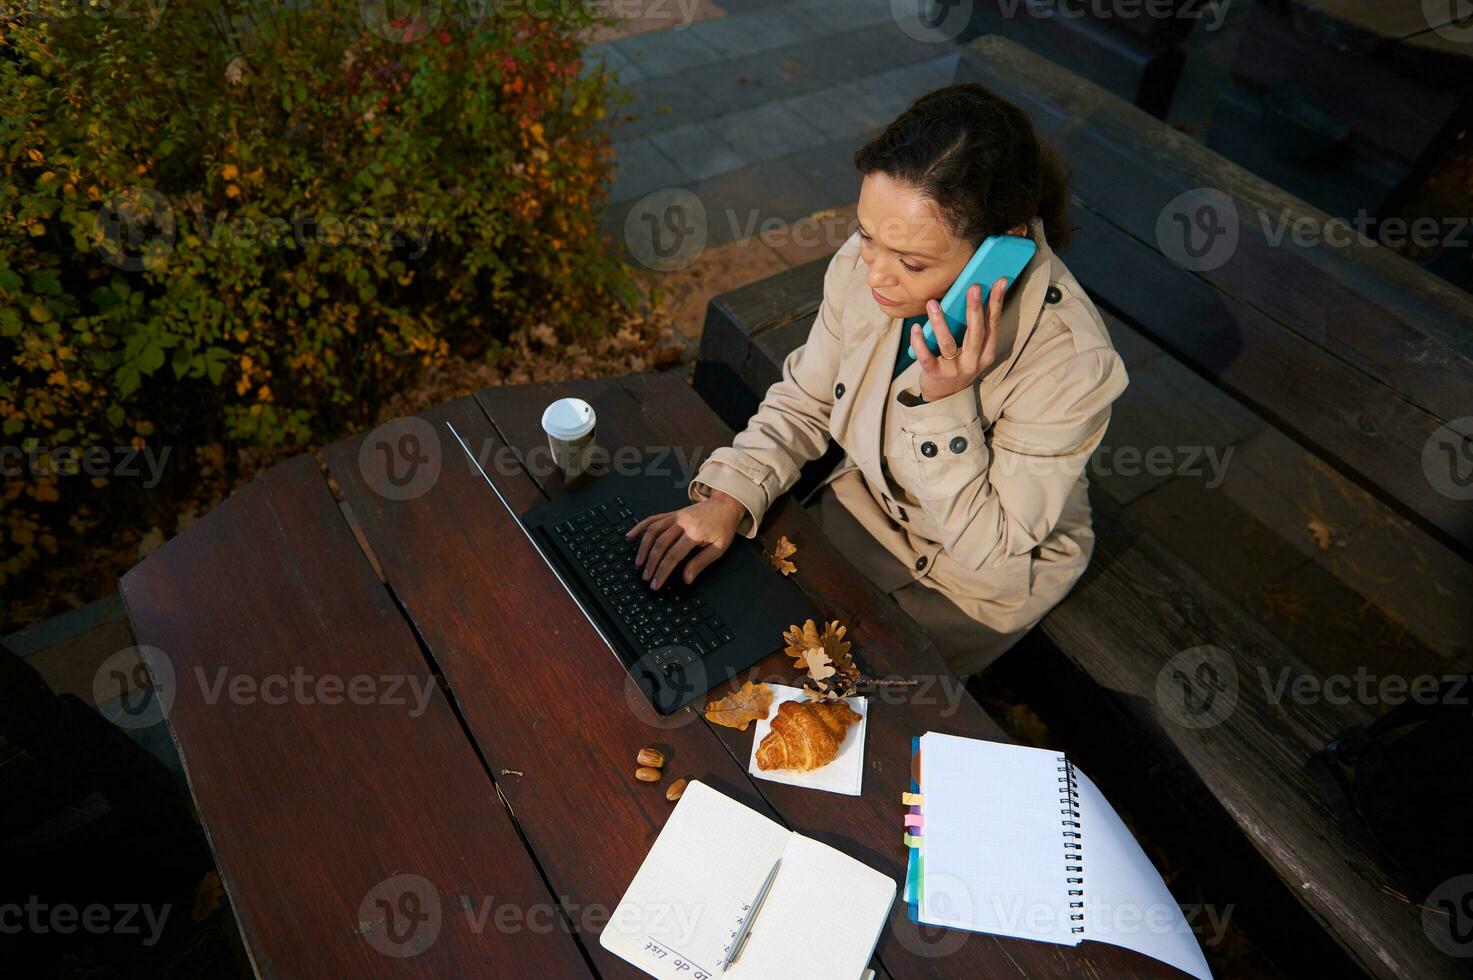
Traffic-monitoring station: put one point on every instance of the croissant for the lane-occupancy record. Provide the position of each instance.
(805, 735)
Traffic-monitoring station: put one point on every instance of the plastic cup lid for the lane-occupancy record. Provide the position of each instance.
(568, 418)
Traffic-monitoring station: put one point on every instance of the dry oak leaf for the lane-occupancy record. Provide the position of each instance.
(779, 557)
(837, 648)
(740, 708)
(818, 665)
(1321, 533)
(801, 639)
(208, 896)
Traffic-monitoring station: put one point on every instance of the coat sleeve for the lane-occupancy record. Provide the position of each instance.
(1002, 493)
(791, 426)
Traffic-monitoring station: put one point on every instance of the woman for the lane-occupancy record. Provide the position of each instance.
(963, 492)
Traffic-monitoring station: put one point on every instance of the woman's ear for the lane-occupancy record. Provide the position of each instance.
(1020, 231)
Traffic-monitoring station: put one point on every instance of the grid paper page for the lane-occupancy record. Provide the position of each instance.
(1125, 901)
(993, 851)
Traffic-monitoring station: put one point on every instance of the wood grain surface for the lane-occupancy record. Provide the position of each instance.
(323, 797)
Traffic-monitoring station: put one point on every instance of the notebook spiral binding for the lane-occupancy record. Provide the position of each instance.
(1073, 842)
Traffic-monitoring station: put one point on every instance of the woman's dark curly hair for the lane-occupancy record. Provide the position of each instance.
(976, 155)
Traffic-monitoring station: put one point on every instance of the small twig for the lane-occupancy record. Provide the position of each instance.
(512, 772)
(1402, 898)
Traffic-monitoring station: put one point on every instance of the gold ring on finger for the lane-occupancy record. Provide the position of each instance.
(952, 356)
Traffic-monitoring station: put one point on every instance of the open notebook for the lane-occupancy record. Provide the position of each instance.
(1016, 841)
(821, 919)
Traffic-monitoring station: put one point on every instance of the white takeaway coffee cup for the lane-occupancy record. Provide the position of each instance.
(569, 424)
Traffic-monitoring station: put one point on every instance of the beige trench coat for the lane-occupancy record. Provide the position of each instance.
(972, 511)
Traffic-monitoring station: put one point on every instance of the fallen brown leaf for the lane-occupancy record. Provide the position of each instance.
(837, 648)
(1320, 531)
(779, 557)
(740, 708)
(800, 639)
(818, 664)
(208, 896)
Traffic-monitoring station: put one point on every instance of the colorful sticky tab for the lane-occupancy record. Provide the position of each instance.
(912, 841)
(912, 799)
(915, 820)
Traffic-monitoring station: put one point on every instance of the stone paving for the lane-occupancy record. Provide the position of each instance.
(756, 108)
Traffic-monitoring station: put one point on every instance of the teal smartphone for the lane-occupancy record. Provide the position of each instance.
(999, 257)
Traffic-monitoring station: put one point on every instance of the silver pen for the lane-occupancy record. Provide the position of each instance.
(741, 936)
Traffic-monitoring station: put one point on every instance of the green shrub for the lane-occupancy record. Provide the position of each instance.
(246, 224)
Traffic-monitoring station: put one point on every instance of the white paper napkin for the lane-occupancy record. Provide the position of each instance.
(844, 775)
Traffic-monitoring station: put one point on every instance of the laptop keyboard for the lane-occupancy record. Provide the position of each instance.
(673, 616)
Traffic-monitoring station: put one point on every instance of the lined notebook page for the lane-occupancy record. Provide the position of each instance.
(994, 854)
(1126, 902)
(709, 861)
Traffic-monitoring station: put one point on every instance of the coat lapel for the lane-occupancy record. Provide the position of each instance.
(877, 337)
(1022, 306)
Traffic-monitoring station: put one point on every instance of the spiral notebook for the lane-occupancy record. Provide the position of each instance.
(820, 919)
(1015, 841)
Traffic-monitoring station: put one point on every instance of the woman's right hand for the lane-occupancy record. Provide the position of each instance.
(706, 529)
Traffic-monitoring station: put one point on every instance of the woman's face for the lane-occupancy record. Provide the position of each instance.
(911, 255)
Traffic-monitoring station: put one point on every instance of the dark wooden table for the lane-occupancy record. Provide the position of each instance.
(489, 827)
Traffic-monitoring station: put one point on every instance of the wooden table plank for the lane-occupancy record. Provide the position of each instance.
(309, 805)
(546, 700)
(648, 411)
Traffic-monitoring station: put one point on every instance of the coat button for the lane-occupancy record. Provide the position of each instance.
(928, 449)
(958, 445)
(921, 563)
(1053, 295)
(839, 390)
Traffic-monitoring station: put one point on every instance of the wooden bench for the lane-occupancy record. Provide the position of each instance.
(1350, 349)
(1343, 102)
(1346, 349)
(1114, 43)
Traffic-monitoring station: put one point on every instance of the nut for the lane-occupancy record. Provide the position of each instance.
(651, 757)
(647, 774)
(674, 790)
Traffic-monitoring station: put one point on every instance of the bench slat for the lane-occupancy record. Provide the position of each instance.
(1137, 589)
(1357, 314)
(1337, 409)
(309, 806)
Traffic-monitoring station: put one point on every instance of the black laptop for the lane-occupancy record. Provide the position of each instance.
(682, 640)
